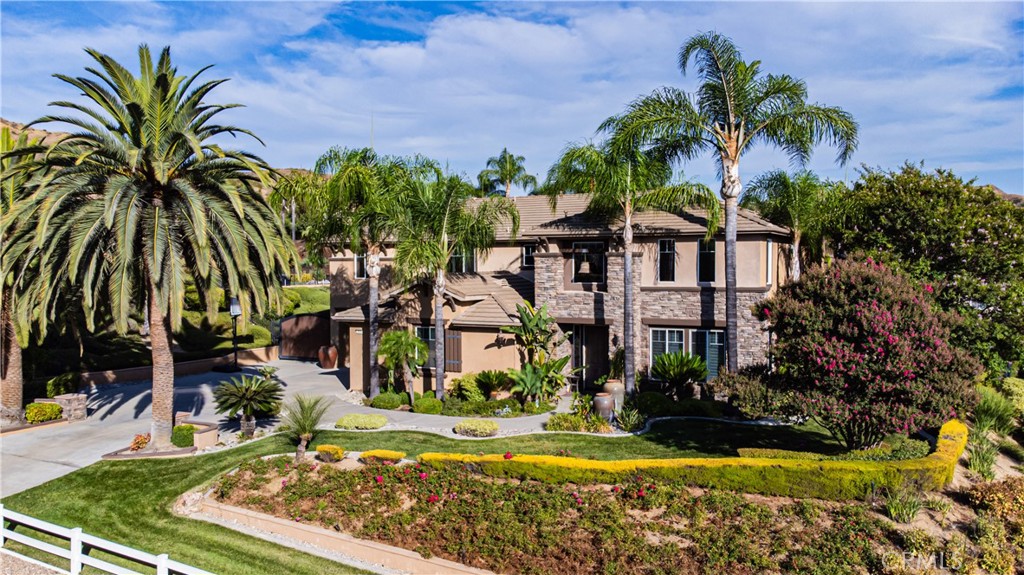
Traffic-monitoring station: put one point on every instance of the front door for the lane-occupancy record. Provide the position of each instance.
(589, 351)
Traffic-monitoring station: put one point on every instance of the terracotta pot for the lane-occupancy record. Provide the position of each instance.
(604, 405)
(328, 355)
(617, 390)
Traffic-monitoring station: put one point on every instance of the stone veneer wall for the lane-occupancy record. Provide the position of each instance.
(692, 305)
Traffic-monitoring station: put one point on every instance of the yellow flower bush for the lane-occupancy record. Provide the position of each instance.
(381, 455)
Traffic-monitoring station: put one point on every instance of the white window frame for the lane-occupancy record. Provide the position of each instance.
(356, 258)
(662, 253)
(683, 335)
(693, 340)
(467, 262)
(770, 267)
(700, 252)
(523, 255)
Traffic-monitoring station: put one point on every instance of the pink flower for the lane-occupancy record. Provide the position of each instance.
(379, 479)
(508, 455)
(433, 499)
(423, 475)
(407, 471)
(452, 496)
(928, 288)
(767, 312)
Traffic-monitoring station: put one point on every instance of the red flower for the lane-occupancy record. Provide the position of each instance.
(379, 479)
(641, 493)
(616, 489)
(508, 455)
(433, 499)
(423, 475)
(928, 288)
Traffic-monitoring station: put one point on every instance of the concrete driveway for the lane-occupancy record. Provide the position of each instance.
(118, 412)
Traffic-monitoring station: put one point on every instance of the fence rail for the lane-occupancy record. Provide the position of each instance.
(79, 545)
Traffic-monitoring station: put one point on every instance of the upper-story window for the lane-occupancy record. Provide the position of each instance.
(588, 262)
(526, 261)
(706, 261)
(666, 260)
(462, 262)
(770, 268)
(360, 266)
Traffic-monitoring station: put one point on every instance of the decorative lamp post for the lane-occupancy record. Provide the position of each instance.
(235, 310)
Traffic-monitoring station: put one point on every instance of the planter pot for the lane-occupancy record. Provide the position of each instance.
(604, 405)
(328, 355)
(616, 389)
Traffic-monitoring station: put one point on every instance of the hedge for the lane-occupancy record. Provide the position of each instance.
(477, 428)
(378, 455)
(835, 480)
(183, 435)
(330, 453)
(40, 412)
(361, 421)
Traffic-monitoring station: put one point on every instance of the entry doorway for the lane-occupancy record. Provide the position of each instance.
(589, 350)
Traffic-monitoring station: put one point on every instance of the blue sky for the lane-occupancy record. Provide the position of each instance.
(939, 83)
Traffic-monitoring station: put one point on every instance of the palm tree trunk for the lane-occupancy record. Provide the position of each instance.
(373, 273)
(629, 371)
(731, 188)
(293, 220)
(794, 265)
(439, 285)
(508, 187)
(163, 374)
(12, 382)
(407, 376)
(300, 451)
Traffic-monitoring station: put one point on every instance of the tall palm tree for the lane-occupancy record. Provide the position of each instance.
(504, 170)
(15, 154)
(802, 202)
(441, 220)
(140, 200)
(358, 201)
(621, 183)
(286, 195)
(734, 109)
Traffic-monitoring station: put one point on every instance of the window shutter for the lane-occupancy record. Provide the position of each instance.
(453, 350)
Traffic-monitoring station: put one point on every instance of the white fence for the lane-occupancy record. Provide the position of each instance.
(81, 543)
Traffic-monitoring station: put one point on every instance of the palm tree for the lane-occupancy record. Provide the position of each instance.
(15, 154)
(357, 201)
(403, 350)
(504, 170)
(734, 109)
(800, 202)
(301, 421)
(248, 396)
(621, 183)
(287, 194)
(439, 221)
(139, 201)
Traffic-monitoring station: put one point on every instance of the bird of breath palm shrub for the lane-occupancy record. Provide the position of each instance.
(866, 352)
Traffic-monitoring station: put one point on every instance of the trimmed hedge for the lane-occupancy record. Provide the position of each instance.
(40, 412)
(894, 448)
(477, 428)
(330, 453)
(378, 455)
(183, 435)
(835, 480)
(361, 421)
(386, 400)
(430, 405)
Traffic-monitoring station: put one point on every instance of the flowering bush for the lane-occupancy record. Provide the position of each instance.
(330, 453)
(139, 442)
(865, 354)
(379, 455)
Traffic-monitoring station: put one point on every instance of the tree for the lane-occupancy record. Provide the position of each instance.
(965, 240)
(441, 220)
(622, 183)
(301, 421)
(734, 109)
(801, 202)
(537, 332)
(504, 170)
(248, 396)
(140, 200)
(287, 195)
(360, 205)
(865, 354)
(404, 351)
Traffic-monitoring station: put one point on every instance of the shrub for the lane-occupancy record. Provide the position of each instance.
(566, 422)
(40, 412)
(330, 453)
(749, 391)
(655, 404)
(492, 380)
(1013, 388)
(64, 383)
(381, 455)
(981, 456)
(183, 435)
(536, 409)
(429, 405)
(1003, 499)
(405, 397)
(139, 441)
(361, 421)
(387, 400)
(466, 388)
(629, 419)
(902, 505)
(477, 428)
(994, 411)
(680, 371)
(499, 408)
(865, 354)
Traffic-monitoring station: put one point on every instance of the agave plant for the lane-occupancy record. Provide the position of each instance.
(528, 381)
(249, 396)
(301, 421)
(680, 371)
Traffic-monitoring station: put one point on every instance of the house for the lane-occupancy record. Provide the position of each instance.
(574, 264)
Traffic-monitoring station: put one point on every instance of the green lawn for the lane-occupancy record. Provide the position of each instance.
(129, 501)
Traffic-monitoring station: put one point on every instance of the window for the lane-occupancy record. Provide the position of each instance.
(710, 346)
(770, 268)
(588, 259)
(426, 335)
(527, 257)
(666, 341)
(360, 267)
(461, 262)
(666, 260)
(705, 261)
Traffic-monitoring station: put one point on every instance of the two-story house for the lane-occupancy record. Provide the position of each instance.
(574, 264)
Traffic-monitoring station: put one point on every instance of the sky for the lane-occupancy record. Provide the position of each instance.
(938, 83)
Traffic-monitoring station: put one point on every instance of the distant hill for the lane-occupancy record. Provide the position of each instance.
(33, 133)
(1014, 198)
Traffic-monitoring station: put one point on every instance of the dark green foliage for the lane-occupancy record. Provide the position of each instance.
(994, 412)
(964, 240)
(65, 383)
(248, 395)
(750, 391)
(183, 435)
(389, 400)
(40, 412)
(466, 388)
(680, 371)
(655, 404)
(428, 405)
(492, 380)
(864, 353)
